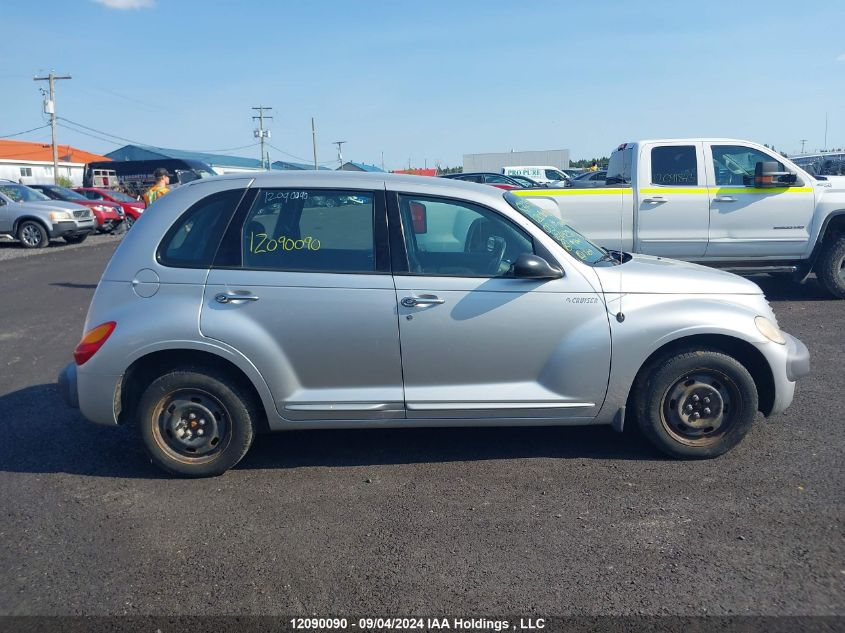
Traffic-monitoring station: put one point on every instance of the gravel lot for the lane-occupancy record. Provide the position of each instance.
(13, 250)
(479, 521)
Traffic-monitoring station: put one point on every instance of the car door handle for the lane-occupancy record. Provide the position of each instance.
(423, 300)
(724, 199)
(229, 297)
(655, 200)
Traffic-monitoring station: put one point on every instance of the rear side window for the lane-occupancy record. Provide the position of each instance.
(193, 240)
(674, 165)
(310, 230)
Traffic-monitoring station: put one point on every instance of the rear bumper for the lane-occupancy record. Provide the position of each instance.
(68, 389)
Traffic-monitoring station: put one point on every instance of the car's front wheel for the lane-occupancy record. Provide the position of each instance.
(32, 234)
(129, 221)
(695, 404)
(196, 422)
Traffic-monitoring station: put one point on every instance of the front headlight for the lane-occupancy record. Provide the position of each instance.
(769, 330)
(55, 216)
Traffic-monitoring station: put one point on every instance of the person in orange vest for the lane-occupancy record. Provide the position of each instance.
(162, 179)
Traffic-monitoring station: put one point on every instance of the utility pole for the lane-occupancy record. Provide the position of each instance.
(803, 140)
(261, 133)
(50, 108)
(314, 142)
(825, 132)
(339, 154)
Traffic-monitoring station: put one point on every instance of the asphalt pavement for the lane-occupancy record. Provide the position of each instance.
(394, 522)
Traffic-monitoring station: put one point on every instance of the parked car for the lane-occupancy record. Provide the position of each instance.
(727, 203)
(132, 208)
(590, 179)
(109, 215)
(527, 182)
(240, 306)
(545, 174)
(33, 219)
(488, 178)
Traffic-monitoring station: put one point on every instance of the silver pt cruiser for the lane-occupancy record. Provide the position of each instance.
(338, 300)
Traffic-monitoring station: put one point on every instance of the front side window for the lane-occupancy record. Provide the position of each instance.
(309, 230)
(674, 166)
(734, 165)
(568, 238)
(193, 239)
(93, 195)
(449, 238)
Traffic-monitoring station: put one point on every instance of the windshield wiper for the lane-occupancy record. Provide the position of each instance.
(609, 257)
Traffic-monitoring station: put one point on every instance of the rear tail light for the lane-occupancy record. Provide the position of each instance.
(92, 341)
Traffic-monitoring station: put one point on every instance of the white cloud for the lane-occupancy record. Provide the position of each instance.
(127, 4)
(841, 58)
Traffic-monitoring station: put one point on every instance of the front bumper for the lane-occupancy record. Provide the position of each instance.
(67, 386)
(71, 228)
(797, 358)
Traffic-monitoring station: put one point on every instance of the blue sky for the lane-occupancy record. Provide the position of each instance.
(427, 81)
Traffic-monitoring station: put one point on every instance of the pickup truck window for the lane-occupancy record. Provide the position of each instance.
(568, 238)
(734, 165)
(674, 165)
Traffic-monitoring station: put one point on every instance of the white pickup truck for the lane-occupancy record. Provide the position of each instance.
(721, 202)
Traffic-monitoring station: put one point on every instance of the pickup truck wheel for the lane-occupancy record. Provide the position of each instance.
(196, 423)
(696, 404)
(830, 268)
(33, 234)
(76, 239)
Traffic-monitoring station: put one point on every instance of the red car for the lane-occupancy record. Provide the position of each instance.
(108, 214)
(131, 207)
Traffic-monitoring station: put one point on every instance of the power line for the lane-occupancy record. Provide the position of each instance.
(40, 127)
(127, 140)
(304, 160)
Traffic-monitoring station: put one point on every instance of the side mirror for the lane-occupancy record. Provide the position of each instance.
(530, 266)
(769, 174)
(419, 218)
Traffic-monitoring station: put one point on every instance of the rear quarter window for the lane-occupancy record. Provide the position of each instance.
(194, 238)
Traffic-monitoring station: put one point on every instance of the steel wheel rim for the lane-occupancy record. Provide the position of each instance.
(192, 426)
(701, 407)
(30, 235)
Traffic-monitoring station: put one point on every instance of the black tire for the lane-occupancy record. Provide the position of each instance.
(222, 429)
(830, 268)
(76, 239)
(674, 389)
(128, 222)
(32, 234)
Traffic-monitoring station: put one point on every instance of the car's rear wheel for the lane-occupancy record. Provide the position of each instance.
(76, 239)
(32, 234)
(696, 403)
(196, 422)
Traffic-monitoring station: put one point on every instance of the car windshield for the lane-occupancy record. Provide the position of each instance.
(67, 194)
(119, 195)
(20, 193)
(571, 240)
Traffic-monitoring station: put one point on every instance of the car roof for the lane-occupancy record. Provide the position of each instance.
(349, 179)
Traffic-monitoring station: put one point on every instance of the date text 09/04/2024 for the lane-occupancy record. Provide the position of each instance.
(458, 624)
